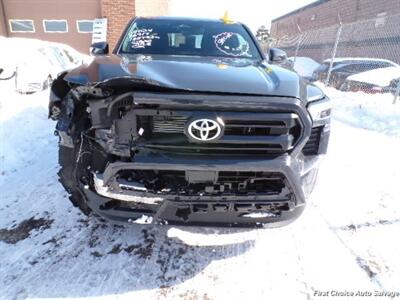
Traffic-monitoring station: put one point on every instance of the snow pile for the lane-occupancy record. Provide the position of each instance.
(374, 112)
(142, 220)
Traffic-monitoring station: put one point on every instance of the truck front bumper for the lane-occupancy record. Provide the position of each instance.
(136, 205)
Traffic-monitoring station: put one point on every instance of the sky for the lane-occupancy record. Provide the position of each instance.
(253, 13)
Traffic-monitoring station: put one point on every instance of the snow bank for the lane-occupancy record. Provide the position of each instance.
(374, 112)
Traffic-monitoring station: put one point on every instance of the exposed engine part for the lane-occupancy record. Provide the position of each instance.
(118, 192)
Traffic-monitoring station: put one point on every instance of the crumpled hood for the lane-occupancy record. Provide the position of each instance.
(201, 74)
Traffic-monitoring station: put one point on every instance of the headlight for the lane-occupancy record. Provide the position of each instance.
(320, 110)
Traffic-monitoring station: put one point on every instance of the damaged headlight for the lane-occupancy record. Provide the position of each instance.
(320, 110)
(319, 106)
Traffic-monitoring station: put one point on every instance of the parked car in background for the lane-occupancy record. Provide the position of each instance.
(2, 77)
(32, 76)
(345, 67)
(5, 76)
(382, 80)
(6, 73)
(304, 66)
(33, 64)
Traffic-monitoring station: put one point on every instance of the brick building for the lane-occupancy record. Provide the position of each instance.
(71, 21)
(326, 13)
(370, 28)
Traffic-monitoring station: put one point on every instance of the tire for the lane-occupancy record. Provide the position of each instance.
(68, 177)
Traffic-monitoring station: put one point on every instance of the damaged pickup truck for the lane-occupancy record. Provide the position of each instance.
(188, 122)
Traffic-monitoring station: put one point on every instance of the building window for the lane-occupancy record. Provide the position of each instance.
(58, 26)
(84, 26)
(380, 19)
(21, 25)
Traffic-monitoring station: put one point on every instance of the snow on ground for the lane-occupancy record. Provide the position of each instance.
(373, 112)
(346, 240)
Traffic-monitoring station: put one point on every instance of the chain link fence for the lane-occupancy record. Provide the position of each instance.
(361, 56)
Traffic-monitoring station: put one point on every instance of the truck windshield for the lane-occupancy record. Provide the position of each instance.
(188, 37)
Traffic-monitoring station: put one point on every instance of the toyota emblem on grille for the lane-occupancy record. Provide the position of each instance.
(204, 130)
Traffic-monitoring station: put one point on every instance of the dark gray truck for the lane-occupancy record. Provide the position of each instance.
(188, 122)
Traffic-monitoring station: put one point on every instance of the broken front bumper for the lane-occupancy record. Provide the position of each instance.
(129, 202)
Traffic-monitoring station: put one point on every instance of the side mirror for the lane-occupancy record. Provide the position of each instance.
(99, 48)
(276, 55)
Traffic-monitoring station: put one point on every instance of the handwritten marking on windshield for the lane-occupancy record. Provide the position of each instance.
(225, 42)
(142, 38)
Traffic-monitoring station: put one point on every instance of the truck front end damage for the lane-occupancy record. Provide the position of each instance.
(157, 155)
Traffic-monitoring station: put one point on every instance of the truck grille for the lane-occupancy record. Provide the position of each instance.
(164, 182)
(168, 124)
(244, 133)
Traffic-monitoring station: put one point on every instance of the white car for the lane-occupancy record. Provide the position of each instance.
(373, 81)
(304, 66)
(32, 64)
(32, 74)
(36, 72)
(343, 67)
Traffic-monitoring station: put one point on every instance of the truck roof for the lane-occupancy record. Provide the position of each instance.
(177, 18)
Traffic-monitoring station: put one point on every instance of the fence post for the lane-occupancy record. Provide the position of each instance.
(339, 32)
(16, 77)
(298, 45)
(297, 49)
(397, 93)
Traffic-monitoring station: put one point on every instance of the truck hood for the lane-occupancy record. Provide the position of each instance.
(199, 74)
